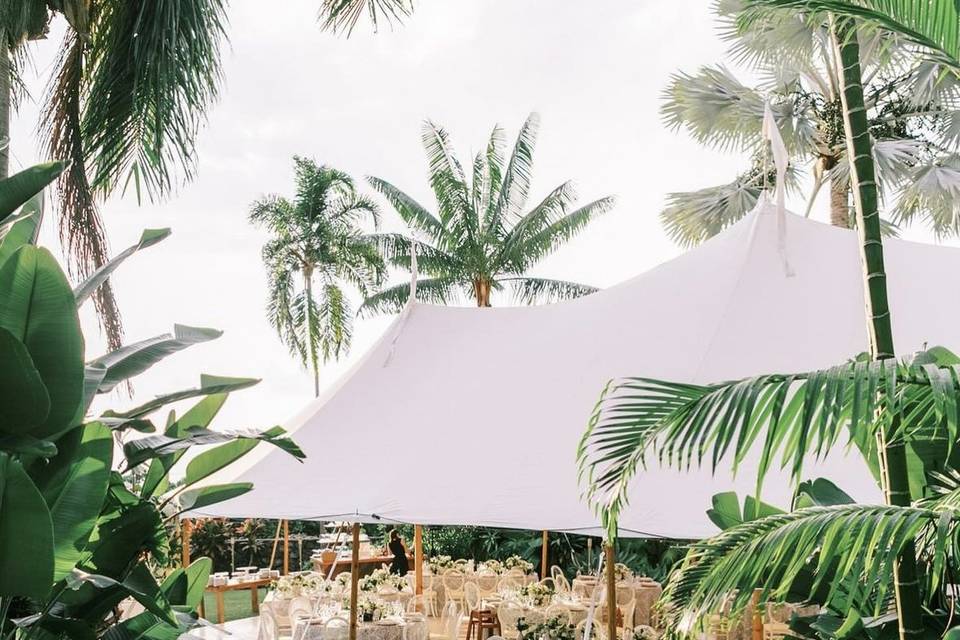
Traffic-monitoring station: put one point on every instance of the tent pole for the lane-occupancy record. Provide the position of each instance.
(286, 547)
(354, 579)
(611, 590)
(544, 569)
(757, 630)
(276, 541)
(418, 557)
(186, 531)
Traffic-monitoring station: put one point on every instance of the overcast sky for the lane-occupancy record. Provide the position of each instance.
(593, 71)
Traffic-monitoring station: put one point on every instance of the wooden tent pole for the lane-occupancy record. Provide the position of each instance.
(186, 531)
(757, 631)
(418, 557)
(544, 555)
(276, 541)
(611, 590)
(354, 579)
(286, 547)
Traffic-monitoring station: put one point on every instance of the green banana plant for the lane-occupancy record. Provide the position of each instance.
(85, 525)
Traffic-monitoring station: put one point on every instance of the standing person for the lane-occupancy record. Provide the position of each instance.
(399, 566)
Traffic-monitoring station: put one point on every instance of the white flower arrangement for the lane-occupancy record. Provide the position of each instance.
(516, 562)
(493, 566)
(382, 578)
(645, 632)
(622, 572)
(535, 594)
(300, 583)
(439, 564)
(368, 608)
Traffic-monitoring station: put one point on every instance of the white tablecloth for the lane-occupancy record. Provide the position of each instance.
(393, 629)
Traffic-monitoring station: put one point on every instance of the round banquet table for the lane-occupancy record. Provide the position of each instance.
(388, 629)
(646, 591)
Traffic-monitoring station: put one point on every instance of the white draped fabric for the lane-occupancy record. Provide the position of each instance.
(473, 416)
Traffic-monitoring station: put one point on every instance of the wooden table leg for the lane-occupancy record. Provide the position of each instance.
(255, 599)
(220, 607)
(201, 610)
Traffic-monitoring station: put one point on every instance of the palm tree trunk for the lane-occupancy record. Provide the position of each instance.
(839, 207)
(863, 183)
(6, 84)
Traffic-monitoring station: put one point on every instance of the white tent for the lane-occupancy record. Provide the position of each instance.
(472, 416)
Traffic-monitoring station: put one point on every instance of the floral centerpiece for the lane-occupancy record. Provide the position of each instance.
(555, 628)
(368, 609)
(645, 632)
(516, 562)
(491, 566)
(439, 564)
(382, 579)
(622, 572)
(343, 579)
(293, 585)
(535, 594)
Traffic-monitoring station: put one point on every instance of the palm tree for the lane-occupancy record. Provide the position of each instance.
(315, 251)
(480, 240)
(912, 105)
(126, 98)
(903, 417)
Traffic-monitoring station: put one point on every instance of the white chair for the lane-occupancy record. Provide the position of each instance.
(559, 580)
(453, 582)
(487, 582)
(431, 595)
(300, 607)
(509, 614)
(557, 611)
(268, 625)
(550, 584)
(471, 596)
(508, 583)
(449, 622)
(336, 628)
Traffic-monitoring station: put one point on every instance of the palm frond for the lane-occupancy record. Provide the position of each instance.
(695, 216)
(528, 290)
(788, 417)
(515, 187)
(526, 250)
(932, 193)
(152, 71)
(396, 248)
(80, 226)
(448, 181)
(850, 551)
(777, 39)
(342, 16)
(334, 322)
(394, 299)
(412, 212)
(931, 24)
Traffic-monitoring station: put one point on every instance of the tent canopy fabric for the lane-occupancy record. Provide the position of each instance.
(473, 416)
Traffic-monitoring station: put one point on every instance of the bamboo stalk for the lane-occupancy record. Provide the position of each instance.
(354, 579)
(611, 590)
(863, 181)
(418, 557)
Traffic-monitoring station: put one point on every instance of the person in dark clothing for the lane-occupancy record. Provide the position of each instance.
(399, 566)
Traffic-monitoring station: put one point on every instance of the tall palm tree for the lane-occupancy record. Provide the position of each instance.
(913, 107)
(480, 240)
(903, 418)
(130, 89)
(316, 250)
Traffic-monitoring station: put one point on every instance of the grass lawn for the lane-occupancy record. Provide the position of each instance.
(236, 605)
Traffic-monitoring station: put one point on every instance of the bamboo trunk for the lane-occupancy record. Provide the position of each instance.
(864, 187)
(354, 579)
(611, 576)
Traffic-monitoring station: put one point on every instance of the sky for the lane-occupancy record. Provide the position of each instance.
(594, 76)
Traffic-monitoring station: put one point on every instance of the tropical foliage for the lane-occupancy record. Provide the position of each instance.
(481, 240)
(129, 91)
(316, 248)
(81, 531)
(913, 105)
